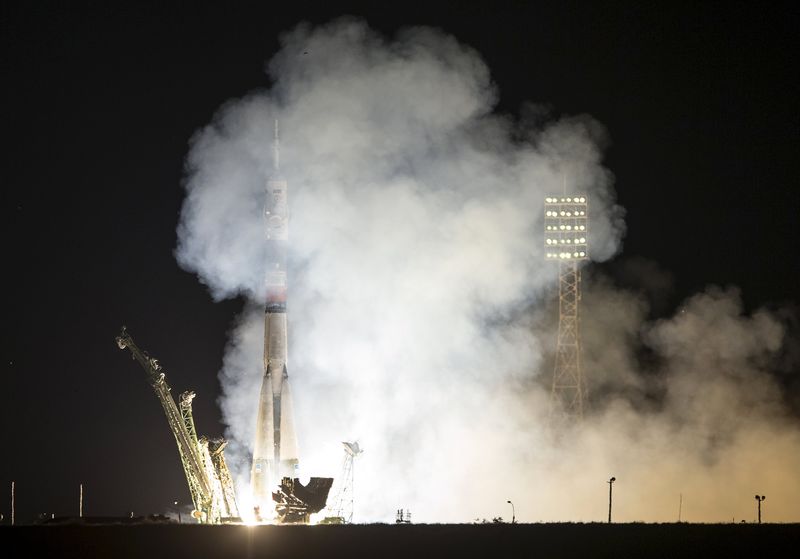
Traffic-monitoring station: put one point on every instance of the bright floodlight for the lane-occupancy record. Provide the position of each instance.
(566, 222)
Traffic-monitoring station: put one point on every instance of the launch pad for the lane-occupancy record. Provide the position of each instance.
(210, 482)
(275, 463)
(297, 502)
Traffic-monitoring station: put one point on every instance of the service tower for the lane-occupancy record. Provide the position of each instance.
(275, 452)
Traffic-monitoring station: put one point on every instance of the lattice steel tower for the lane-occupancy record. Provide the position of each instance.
(566, 230)
(343, 503)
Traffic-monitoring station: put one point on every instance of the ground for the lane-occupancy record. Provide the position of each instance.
(379, 540)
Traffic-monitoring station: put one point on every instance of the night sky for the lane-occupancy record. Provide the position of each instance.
(700, 103)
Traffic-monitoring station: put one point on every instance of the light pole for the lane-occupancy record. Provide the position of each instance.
(610, 483)
(760, 498)
(513, 513)
(179, 512)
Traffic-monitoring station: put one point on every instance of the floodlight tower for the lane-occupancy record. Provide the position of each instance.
(566, 228)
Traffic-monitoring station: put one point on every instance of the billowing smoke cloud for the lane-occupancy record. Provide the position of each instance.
(418, 289)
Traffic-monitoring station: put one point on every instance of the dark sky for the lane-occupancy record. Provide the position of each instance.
(700, 103)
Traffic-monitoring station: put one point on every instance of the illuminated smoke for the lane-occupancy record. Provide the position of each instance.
(418, 308)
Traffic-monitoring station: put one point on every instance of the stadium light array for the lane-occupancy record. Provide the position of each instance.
(566, 225)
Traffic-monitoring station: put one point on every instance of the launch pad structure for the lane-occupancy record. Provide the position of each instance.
(344, 500)
(275, 465)
(566, 230)
(203, 459)
(211, 485)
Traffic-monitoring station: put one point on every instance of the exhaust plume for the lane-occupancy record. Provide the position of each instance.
(419, 307)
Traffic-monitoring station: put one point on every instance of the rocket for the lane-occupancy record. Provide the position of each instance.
(275, 453)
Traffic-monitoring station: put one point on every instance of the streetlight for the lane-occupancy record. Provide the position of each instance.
(610, 483)
(179, 512)
(513, 513)
(760, 498)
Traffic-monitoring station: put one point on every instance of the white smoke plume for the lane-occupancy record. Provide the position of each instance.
(417, 308)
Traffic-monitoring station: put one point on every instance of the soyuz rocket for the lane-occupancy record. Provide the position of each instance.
(275, 453)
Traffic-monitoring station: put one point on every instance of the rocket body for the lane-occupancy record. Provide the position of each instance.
(275, 453)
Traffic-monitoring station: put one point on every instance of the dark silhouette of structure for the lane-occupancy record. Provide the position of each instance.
(760, 498)
(295, 502)
(610, 483)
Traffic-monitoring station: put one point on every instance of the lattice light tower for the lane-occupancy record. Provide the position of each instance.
(343, 503)
(566, 228)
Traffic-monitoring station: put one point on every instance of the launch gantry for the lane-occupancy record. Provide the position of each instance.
(216, 448)
(344, 501)
(566, 230)
(210, 483)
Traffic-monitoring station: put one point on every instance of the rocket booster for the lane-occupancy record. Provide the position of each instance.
(275, 452)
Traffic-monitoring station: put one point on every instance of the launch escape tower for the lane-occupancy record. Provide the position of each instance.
(566, 231)
(275, 453)
(210, 483)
